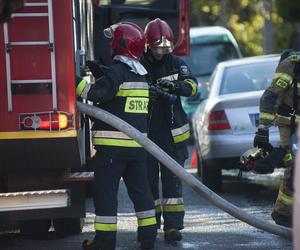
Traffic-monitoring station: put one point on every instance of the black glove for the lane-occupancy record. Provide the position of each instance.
(153, 93)
(270, 162)
(96, 69)
(164, 83)
(261, 139)
(262, 166)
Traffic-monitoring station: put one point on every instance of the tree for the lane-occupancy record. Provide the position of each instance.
(289, 11)
(256, 24)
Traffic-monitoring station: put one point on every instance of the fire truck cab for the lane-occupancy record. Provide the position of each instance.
(44, 141)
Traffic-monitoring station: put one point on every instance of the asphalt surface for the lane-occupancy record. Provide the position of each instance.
(206, 227)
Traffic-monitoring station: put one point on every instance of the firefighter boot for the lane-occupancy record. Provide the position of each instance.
(90, 245)
(172, 235)
(147, 245)
(95, 245)
(281, 220)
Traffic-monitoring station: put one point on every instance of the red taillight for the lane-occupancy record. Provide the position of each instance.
(46, 121)
(217, 120)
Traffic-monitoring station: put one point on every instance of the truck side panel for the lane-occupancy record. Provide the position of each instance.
(31, 63)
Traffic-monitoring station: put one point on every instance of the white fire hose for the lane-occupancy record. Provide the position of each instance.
(179, 171)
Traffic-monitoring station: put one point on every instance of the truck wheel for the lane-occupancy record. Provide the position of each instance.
(68, 226)
(35, 229)
(211, 177)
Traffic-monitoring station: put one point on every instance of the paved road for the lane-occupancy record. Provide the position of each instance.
(206, 227)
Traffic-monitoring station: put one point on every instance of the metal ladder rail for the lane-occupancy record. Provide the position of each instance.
(51, 48)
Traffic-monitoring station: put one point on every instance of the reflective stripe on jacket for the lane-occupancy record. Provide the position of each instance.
(126, 95)
(169, 124)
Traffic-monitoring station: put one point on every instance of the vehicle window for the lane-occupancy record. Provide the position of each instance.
(204, 57)
(250, 77)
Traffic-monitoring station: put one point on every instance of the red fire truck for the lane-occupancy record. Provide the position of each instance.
(44, 141)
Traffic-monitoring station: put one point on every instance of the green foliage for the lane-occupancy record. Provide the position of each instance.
(246, 20)
(289, 10)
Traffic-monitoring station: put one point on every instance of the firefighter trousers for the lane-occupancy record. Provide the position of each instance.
(171, 206)
(108, 172)
(284, 201)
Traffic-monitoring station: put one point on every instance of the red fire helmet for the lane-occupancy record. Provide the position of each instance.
(159, 36)
(128, 39)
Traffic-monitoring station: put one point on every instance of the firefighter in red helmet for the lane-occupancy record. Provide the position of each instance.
(122, 91)
(170, 78)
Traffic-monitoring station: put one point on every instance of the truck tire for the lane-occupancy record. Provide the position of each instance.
(211, 176)
(35, 229)
(68, 226)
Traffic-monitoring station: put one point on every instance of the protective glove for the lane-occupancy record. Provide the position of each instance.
(269, 163)
(96, 69)
(261, 139)
(80, 84)
(166, 84)
(153, 93)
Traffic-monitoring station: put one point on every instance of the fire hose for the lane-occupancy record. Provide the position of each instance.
(179, 171)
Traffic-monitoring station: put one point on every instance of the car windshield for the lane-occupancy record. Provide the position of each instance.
(249, 77)
(204, 57)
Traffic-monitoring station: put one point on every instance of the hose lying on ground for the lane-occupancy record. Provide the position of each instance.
(179, 171)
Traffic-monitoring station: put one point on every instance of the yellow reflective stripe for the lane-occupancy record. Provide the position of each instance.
(281, 83)
(182, 137)
(105, 227)
(283, 76)
(285, 199)
(133, 92)
(193, 85)
(266, 116)
(146, 222)
(288, 157)
(37, 134)
(80, 87)
(288, 118)
(173, 208)
(116, 142)
(136, 105)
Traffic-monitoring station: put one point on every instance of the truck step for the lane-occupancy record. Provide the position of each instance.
(29, 200)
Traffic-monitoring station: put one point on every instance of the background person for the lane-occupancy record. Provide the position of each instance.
(170, 78)
(278, 105)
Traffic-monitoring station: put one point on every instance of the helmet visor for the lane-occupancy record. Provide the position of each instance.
(162, 46)
(161, 51)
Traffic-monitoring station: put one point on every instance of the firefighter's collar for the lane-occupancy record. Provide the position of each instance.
(135, 65)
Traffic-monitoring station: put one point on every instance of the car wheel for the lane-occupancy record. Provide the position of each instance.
(68, 226)
(209, 174)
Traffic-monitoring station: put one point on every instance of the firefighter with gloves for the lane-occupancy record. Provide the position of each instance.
(124, 92)
(169, 79)
(279, 105)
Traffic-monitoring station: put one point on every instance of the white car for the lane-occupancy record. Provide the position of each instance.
(225, 123)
